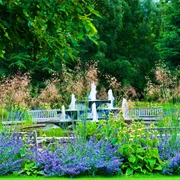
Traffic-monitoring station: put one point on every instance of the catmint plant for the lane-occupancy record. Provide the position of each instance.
(80, 157)
(10, 156)
(173, 167)
(168, 148)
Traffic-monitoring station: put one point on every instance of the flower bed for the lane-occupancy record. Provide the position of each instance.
(104, 148)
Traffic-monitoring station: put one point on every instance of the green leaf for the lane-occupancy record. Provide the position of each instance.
(138, 166)
(129, 171)
(114, 140)
(140, 157)
(152, 162)
(80, 34)
(62, 8)
(159, 167)
(132, 158)
(2, 53)
(144, 171)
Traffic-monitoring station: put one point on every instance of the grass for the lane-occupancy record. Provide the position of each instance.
(134, 177)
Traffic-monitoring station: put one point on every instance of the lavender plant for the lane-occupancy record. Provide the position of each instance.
(173, 167)
(10, 156)
(168, 147)
(80, 157)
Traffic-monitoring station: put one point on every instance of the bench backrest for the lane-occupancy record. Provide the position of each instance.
(43, 114)
(145, 112)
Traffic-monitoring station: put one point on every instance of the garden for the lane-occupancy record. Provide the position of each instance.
(107, 148)
(52, 50)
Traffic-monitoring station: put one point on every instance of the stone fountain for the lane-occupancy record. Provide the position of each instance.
(91, 109)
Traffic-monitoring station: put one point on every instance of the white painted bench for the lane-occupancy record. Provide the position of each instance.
(146, 114)
(42, 116)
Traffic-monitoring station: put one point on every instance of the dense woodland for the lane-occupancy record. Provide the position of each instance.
(116, 41)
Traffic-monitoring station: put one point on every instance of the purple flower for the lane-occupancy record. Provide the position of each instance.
(10, 151)
(168, 147)
(79, 157)
(173, 167)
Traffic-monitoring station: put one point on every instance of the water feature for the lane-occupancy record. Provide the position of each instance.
(63, 113)
(111, 98)
(91, 109)
(125, 108)
(73, 102)
(94, 113)
(93, 92)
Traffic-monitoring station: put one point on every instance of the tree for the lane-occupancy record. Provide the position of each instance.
(35, 34)
(169, 43)
(127, 31)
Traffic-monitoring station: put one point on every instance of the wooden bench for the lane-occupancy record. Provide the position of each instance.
(148, 115)
(43, 116)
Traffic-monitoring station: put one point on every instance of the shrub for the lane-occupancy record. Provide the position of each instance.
(137, 146)
(53, 132)
(139, 150)
(80, 157)
(10, 155)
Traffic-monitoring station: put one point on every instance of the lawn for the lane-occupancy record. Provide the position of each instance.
(134, 177)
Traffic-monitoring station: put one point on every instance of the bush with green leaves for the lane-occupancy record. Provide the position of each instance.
(30, 168)
(137, 146)
(52, 132)
(86, 129)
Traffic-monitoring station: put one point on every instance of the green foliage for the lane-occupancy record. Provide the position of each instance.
(140, 160)
(127, 31)
(103, 129)
(53, 132)
(137, 146)
(38, 35)
(3, 113)
(168, 44)
(86, 129)
(139, 149)
(30, 168)
(47, 27)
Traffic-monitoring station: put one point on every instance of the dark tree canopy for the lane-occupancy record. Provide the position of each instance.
(169, 43)
(125, 37)
(43, 30)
